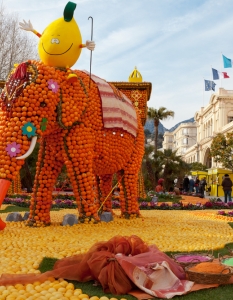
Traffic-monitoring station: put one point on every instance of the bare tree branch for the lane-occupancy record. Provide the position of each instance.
(16, 46)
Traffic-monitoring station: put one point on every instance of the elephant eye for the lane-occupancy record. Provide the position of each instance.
(43, 104)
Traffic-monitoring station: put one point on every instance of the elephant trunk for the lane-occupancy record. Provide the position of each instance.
(14, 148)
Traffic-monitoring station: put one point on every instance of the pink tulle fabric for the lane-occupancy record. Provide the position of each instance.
(100, 264)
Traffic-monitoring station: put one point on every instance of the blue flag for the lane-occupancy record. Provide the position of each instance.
(215, 74)
(226, 62)
(209, 85)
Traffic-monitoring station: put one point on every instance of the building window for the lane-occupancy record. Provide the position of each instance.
(229, 119)
(185, 131)
(230, 116)
(185, 141)
(183, 150)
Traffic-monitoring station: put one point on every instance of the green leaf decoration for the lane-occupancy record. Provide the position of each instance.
(69, 11)
(43, 124)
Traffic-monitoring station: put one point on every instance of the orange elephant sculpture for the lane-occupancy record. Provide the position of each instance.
(65, 114)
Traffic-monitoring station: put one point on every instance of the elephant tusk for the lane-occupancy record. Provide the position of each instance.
(31, 148)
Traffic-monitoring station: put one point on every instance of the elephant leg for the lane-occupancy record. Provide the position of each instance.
(49, 165)
(78, 156)
(106, 195)
(130, 207)
(97, 192)
(130, 178)
(123, 194)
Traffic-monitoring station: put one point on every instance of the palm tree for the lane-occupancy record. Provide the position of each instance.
(148, 162)
(166, 164)
(147, 134)
(173, 166)
(158, 114)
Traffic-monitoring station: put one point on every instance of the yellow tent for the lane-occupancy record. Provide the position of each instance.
(215, 178)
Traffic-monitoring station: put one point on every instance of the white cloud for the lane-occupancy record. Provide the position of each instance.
(172, 43)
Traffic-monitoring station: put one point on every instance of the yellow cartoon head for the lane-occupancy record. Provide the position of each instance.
(59, 45)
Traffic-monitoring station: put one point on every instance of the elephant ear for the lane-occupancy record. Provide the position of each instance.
(20, 76)
(72, 104)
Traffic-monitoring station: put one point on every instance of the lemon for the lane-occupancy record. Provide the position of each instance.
(77, 292)
(70, 286)
(74, 298)
(83, 296)
(104, 298)
(94, 298)
(59, 44)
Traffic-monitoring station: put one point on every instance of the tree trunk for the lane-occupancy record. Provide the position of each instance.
(156, 125)
(167, 177)
(150, 173)
(156, 175)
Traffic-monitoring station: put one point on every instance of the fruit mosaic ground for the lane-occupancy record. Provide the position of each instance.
(22, 248)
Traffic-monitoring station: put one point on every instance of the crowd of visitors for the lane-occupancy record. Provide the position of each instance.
(189, 185)
(196, 186)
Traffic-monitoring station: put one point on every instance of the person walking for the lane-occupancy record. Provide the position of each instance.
(196, 185)
(227, 187)
(191, 184)
(202, 186)
(186, 184)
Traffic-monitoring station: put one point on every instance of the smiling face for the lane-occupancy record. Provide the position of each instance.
(59, 45)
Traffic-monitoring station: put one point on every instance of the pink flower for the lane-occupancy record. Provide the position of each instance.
(53, 85)
(13, 149)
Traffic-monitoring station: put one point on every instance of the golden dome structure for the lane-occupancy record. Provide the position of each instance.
(135, 76)
(137, 91)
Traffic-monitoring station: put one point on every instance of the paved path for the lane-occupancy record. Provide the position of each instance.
(193, 200)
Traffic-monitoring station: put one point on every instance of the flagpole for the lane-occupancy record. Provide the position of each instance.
(203, 90)
(221, 75)
(211, 72)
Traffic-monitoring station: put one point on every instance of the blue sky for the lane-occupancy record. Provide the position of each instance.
(173, 43)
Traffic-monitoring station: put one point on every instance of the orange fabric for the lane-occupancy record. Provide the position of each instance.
(155, 273)
(87, 266)
(94, 265)
(99, 263)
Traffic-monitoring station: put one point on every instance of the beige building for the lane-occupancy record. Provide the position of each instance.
(216, 117)
(181, 139)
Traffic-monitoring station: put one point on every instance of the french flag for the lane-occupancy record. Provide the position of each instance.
(217, 74)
